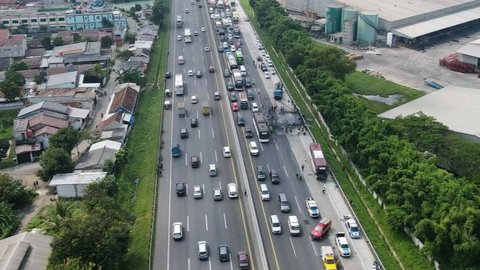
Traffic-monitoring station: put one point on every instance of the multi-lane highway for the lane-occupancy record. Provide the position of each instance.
(226, 222)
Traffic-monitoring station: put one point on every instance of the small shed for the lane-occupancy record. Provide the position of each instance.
(72, 185)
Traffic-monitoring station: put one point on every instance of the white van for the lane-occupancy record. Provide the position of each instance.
(275, 224)
(265, 194)
(293, 225)
(243, 71)
(212, 170)
(232, 190)
(226, 152)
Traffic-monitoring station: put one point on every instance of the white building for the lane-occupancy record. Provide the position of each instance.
(62, 80)
(72, 185)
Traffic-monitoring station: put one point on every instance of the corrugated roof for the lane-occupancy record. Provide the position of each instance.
(471, 49)
(25, 251)
(48, 121)
(51, 106)
(62, 78)
(456, 107)
(106, 144)
(76, 178)
(437, 24)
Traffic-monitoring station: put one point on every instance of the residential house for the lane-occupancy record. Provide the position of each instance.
(12, 45)
(97, 155)
(92, 19)
(33, 62)
(134, 65)
(119, 35)
(62, 80)
(8, 3)
(28, 152)
(124, 100)
(37, 52)
(33, 18)
(26, 250)
(72, 185)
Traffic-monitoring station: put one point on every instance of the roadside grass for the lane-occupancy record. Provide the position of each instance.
(371, 215)
(139, 175)
(6, 124)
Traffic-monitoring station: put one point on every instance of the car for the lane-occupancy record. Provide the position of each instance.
(235, 106)
(233, 97)
(240, 120)
(321, 229)
(261, 175)
(248, 82)
(226, 73)
(181, 189)
(263, 67)
(353, 229)
(225, 45)
(232, 190)
(199, 74)
(230, 86)
(212, 170)
(200, 5)
(267, 75)
(312, 208)
(275, 224)
(190, 73)
(232, 47)
(272, 71)
(274, 176)
(195, 161)
(202, 248)
(226, 152)
(197, 192)
(342, 244)
(253, 148)
(183, 133)
(211, 69)
(177, 232)
(179, 37)
(195, 33)
(192, 3)
(254, 107)
(220, 49)
(207, 49)
(243, 262)
(194, 99)
(202, 29)
(217, 194)
(168, 75)
(264, 193)
(187, 11)
(248, 132)
(193, 122)
(216, 95)
(245, 19)
(223, 253)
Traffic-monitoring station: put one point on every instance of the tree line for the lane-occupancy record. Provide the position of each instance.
(399, 158)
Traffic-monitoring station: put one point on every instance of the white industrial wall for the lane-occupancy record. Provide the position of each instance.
(469, 59)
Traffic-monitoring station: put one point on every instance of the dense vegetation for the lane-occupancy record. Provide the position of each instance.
(441, 210)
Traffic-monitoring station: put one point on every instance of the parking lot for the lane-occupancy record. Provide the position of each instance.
(409, 67)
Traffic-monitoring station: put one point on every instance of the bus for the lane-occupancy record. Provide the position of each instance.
(239, 56)
(261, 126)
(243, 100)
(232, 61)
(179, 21)
(237, 79)
(188, 35)
(319, 162)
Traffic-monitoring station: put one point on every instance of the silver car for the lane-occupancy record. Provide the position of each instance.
(197, 192)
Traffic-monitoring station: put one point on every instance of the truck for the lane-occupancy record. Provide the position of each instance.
(179, 84)
(342, 244)
(188, 35)
(319, 162)
(278, 91)
(328, 258)
(176, 150)
(238, 79)
(205, 108)
(181, 109)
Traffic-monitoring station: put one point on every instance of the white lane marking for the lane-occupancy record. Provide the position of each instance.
(261, 146)
(213, 133)
(231, 264)
(203, 188)
(188, 263)
(209, 263)
(186, 186)
(225, 220)
(216, 157)
(220, 185)
(275, 142)
(298, 205)
(186, 159)
(285, 169)
(291, 243)
(208, 96)
(197, 114)
(314, 248)
(206, 223)
(268, 167)
(188, 223)
(198, 133)
(201, 159)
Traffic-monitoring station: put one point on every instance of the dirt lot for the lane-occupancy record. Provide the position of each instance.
(409, 67)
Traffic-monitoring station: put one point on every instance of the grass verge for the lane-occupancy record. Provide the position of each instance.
(370, 214)
(142, 143)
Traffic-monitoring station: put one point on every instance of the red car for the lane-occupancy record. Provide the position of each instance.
(321, 229)
(243, 262)
(235, 106)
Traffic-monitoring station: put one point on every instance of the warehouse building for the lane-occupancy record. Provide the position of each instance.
(470, 53)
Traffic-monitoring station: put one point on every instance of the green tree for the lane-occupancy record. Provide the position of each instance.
(47, 43)
(138, 7)
(53, 161)
(74, 263)
(65, 138)
(39, 79)
(10, 90)
(159, 11)
(18, 65)
(57, 213)
(124, 55)
(15, 77)
(95, 75)
(58, 41)
(130, 75)
(106, 23)
(8, 220)
(12, 191)
(106, 42)
(130, 37)
(332, 59)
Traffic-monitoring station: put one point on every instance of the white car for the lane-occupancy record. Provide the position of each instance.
(177, 232)
(226, 152)
(232, 48)
(194, 99)
(252, 147)
(179, 37)
(245, 19)
(352, 228)
(254, 107)
(190, 72)
(202, 29)
(207, 49)
(272, 71)
(342, 244)
(312, 208)
(267, 75)
(197, 192)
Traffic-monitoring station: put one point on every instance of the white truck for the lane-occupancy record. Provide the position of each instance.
(188, 35)
(328, 258)
(179, 84)
(342, 244)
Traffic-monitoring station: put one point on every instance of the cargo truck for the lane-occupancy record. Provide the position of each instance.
(278, 92)
(179, 84)
(181, 109)
(328, 258)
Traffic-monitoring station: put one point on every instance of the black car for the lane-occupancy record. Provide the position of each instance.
(233, 97)
(264, 67)
(183, 133)
(240, 120)
(261, 176)
(274, 176)
(250, 94)
(230, 86)
(248, 82)
(181, 189)
(168, 75)
(199, 73)
(194, 122)
(223, 253)
(248, 132)
(226, 73)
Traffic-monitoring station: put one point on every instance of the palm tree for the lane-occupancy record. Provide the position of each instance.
(8, 220)
(57, 213)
